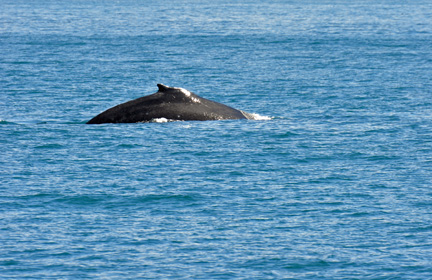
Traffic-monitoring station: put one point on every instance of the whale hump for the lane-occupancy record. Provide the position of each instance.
(171, 103)
(162, 87)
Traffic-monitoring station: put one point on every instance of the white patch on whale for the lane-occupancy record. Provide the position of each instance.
(185, 91)
(188, 94)
(196, 100)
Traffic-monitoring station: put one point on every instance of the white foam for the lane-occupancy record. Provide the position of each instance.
(159, 120)
(260, 118)
(257, 117)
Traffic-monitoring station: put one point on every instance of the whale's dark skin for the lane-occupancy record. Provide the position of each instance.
(170, 103)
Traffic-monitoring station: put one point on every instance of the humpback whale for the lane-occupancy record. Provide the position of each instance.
(170, 103)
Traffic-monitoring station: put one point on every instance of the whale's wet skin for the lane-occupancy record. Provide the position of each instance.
(169, 103)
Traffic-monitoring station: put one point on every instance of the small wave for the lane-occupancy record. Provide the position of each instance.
(82, 199)
(25, 122)
(5, 122)
(165, 197)
(49, 146)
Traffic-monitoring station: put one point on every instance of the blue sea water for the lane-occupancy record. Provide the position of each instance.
(335, 185)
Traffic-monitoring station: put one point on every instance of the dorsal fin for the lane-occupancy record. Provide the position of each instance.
(162, 87)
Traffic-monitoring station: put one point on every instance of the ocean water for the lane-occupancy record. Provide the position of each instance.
(335, 184)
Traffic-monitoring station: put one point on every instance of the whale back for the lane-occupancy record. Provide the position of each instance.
(168, 102)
